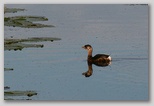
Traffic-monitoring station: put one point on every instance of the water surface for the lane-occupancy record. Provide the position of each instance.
(55, 71)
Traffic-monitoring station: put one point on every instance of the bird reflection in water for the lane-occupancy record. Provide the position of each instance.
(99, 60)
(90, 68)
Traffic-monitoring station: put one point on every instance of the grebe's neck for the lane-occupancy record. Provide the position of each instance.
(89, 54)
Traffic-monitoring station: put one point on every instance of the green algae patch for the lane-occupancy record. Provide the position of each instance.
(20, 93)
(12, 10)
(18, 44)
(26, 21)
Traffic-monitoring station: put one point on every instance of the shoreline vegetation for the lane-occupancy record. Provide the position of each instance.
(19, 44)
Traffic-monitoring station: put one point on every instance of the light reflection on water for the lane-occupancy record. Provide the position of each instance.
(55, 71)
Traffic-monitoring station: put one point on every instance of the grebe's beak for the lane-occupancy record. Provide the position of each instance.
(83, 47)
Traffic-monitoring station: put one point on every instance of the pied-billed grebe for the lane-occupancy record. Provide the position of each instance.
(97, 59)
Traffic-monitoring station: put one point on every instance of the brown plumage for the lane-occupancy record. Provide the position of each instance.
(99, 59)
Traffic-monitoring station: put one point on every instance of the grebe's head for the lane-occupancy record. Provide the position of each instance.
(87, 47)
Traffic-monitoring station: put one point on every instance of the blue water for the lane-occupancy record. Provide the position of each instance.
(55, 71)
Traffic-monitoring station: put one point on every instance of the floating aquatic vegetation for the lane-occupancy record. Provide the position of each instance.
(20, 93)
(16, 44)
(6, 87)
(8, 69)
(25, 21)
(20, 46)
(12, 10)
(32, 39)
